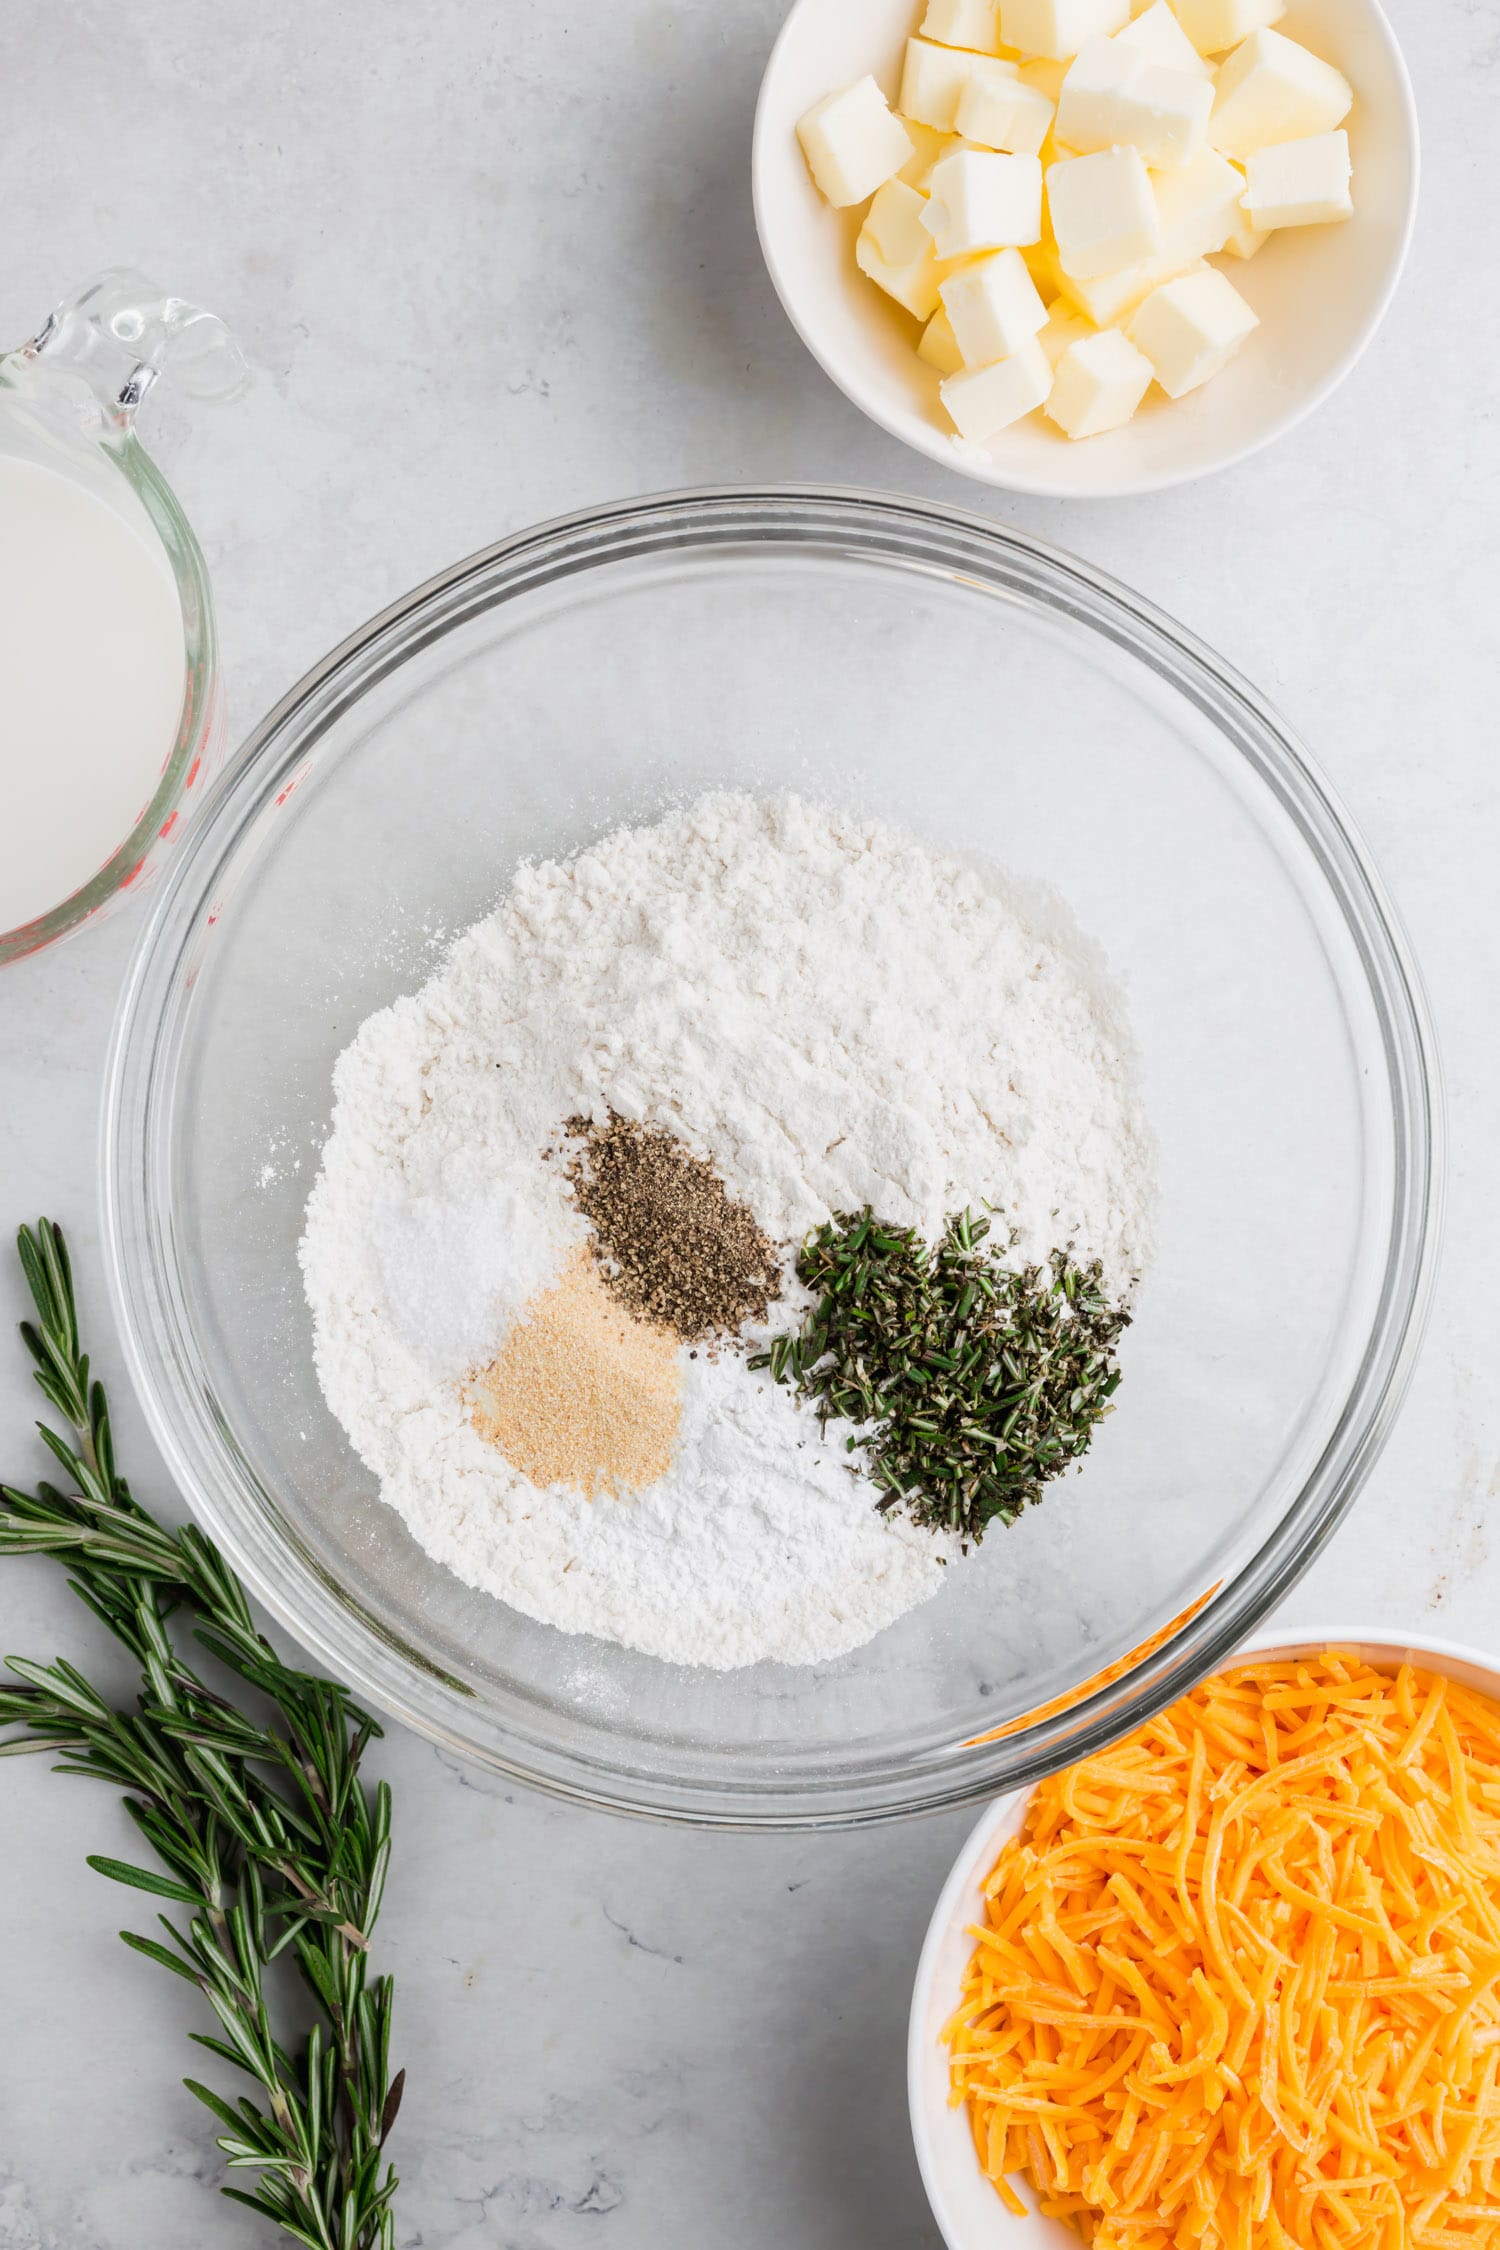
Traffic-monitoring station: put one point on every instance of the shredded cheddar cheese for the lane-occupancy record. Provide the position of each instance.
(1239, 1978)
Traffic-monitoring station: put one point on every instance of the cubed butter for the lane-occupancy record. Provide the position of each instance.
(990, 83)
(1045, 75)
(1059, 27)
(1299, 183)
(932, 79)
(1190, 328)
(1172, 109)
(1099, 382)
(1093, 104)
(939, 345)
(1271, 90)
(1062, 327)
(1107, 299)
(852, 143)
(1200, 207)
(1213, 25)
(896, 251)
(1114, 97)
(982, 401)
(1042, 265)
(927, 145)
(1104, 214)
(1245, 242)
(964, 23)
(1161, 39)
(1004, 113)
(1058, 173)
(979, 200)
(993, 305)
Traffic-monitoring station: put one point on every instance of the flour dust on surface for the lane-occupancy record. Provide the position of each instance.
(570, 1183)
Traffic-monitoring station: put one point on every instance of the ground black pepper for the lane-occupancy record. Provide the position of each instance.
(672, 1242)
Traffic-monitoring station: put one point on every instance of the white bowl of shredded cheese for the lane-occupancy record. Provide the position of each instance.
(971, 2213)
(1320, 292)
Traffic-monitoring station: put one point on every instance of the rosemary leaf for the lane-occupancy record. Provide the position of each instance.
(271, 1841)
(973, 1382)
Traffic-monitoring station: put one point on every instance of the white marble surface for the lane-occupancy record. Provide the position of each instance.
(490, 264)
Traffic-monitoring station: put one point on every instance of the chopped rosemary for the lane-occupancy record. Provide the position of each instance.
(975, 1381)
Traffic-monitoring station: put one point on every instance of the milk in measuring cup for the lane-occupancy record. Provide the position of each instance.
(92, 674)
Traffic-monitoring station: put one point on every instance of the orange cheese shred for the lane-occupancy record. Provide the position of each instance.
(1238, 1982)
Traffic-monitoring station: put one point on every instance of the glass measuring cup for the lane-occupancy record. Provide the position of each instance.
(68, 404)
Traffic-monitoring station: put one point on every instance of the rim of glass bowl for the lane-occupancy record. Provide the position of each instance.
(138, 1122)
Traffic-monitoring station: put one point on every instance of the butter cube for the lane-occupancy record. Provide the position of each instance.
(926, 148)
(1094, 77)
(1271, 90)
(994, 307)
(1114, 97)
(1161, 39)
(1245, 242)
(1105, 302)
(1173, 108)
(1108, 298)
(989, 81)
(1099, 383)
(1059, 27)
(852, 143)
(1299, 183)
(985, 400)
(981, 201)
(931, 81)
(1042, 265)
(1200, 207)
(1046, 76)
(1213, 25)
(1191, 328)
(1004, 113)
(1093, 106)
(1063, 327)
(964, 23)
(896, 251)
(939, 345)
(1104, 214)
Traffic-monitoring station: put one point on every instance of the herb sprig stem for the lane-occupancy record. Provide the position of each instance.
(264, 1834)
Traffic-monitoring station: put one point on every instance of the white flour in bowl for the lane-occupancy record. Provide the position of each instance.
(829, 1013)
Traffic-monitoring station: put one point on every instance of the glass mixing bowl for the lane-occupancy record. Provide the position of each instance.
(998, 698)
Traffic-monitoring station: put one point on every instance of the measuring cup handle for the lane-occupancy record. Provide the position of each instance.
(120, 332)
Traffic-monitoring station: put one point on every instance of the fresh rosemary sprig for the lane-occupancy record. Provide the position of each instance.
(268, 1837)
(976, 1382)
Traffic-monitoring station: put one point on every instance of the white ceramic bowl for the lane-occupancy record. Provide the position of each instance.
(1320, 291)
(970, 2215)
